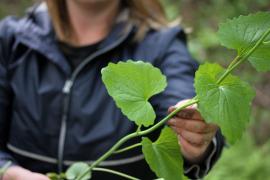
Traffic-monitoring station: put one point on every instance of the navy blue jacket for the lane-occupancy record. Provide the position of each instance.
(51, 117)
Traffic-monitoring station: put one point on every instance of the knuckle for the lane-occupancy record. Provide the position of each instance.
(199, 127)
(199, 140)
(178, 131)
(170, 122)
(183, 123)
(183, 133)
(203, 127)
(180, 122)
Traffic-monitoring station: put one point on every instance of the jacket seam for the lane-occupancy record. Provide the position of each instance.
(208, 162)
(52, 160)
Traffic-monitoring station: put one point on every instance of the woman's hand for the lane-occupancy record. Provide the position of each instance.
(18, 173)
(194, 134)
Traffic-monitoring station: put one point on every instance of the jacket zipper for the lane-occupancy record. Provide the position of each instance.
(67, 90)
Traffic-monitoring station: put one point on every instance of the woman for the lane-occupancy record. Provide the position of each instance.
(54, 107)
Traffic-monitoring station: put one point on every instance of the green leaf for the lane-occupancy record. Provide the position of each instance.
(76, 170)
(131, 84)
(55, 176)
(164, 155)
(243, 32)
(226, 104)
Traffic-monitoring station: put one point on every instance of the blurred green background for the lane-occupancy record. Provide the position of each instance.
(250, 158)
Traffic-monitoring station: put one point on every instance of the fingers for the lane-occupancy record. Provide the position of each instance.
(189, 151)
(192, 125)
(194, 134)
(193, 145)
(194, 138)
(177, 105)
(16, 172)
(190, 112)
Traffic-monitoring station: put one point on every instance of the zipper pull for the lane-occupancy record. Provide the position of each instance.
(67, 86)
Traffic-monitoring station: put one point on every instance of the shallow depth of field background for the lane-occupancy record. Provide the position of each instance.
(250, 158)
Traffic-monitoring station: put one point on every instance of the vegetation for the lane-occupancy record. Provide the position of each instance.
(244, 161)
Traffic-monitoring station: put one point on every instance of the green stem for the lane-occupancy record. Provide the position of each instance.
(127, 148)
(139, 128)
(243, 57)
(266, 42)
(115, 172)
(234, 61)
(160, 123)
(136, 134)
(258, 43)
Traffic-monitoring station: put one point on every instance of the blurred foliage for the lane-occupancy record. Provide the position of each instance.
(243, 161)
(201, 19)
(14, 7)
(250, 158)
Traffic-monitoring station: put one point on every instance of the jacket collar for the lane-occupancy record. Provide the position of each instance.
(36, 31)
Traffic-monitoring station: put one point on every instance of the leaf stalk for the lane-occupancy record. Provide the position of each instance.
(240, 59)
(116, 173)
(127, 148)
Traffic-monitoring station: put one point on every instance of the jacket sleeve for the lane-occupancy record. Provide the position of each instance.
(178, 66)
(5, 101)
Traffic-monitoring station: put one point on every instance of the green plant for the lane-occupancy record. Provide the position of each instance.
(222, 98)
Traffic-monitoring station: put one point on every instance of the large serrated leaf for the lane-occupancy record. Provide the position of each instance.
(164, 155)
(131, 84)
(226, 104)
(243, 32)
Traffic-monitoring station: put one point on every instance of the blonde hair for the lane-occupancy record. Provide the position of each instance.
(146, 14)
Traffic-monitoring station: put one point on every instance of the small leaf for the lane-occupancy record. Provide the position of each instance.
(243, 32)
(164, 155)
(76, 170)
(131, 84)
(226, 104)
(55, 176)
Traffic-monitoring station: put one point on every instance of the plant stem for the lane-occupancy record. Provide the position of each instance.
(237, 61)
(136, 134)
(160, 123)
(258, 43)
(234, 61)
(266, 42)
(127, 148)
(139, 128)
(115, 172)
